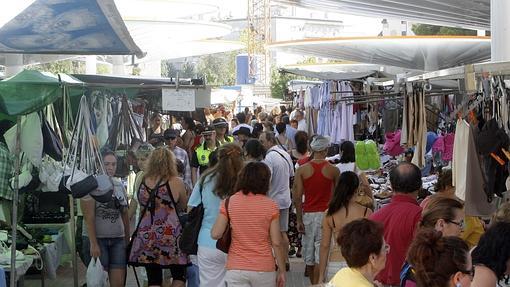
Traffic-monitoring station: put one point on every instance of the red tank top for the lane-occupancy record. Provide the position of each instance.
(318, 189)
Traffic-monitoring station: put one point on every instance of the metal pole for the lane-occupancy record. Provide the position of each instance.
(15, 203)
(73, 241)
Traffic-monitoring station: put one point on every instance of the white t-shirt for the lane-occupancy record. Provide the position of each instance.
(343, 167)
(281, 170)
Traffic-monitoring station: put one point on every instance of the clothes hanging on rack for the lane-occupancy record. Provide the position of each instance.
(420, 128)
(342, 129)
(467, 172)
(325, 112)
(390, 116)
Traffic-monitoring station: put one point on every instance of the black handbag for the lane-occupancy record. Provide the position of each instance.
(84, 187)
(52, 145)
(188, 242)
(224, 242)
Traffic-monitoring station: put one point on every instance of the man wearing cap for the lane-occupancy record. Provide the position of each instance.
(221, 128)
(243, 135)
(282, 172)
(170, 136)
(200, 159)
(316, 180)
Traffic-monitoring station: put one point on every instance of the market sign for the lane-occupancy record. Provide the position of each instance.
(182, 100)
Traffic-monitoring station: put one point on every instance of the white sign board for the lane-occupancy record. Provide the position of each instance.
(182, 100)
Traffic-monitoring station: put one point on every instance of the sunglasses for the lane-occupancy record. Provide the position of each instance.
(459, 224)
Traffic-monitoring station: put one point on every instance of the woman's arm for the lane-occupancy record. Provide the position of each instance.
(324, 249)
(276, 242)
(219, 226)
(88, 208)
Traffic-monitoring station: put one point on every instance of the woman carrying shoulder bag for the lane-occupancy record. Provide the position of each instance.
(255, 227)
(215, 184)
(154, 243)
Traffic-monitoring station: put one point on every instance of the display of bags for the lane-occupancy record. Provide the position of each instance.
(31, 138)
(83, 159)
(224, 242)
(124, 131)
(52, 145)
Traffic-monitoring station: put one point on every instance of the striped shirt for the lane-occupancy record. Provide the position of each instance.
(250, 218)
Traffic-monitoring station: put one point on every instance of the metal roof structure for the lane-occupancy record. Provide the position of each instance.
(474, 14)
(426, 53)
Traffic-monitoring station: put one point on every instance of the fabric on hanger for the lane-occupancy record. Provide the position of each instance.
(343, 128)
(405, 120)
(420, 128)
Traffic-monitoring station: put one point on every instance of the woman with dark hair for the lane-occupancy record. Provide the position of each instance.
(282, 140)
(363, 247)
(155, 132)
(347, 157)
(253, 150)
(188, 137)
(217, 183)
(440, 261)
(254, 221)
(342, 210)
(491, 258)
(444, 215)
(473, 226)
(300, 151)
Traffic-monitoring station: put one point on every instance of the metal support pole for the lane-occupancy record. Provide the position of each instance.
(15, 203)
(73, 240)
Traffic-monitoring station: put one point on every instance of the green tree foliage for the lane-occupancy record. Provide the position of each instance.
(430, 30)
(169, 70)
(64, 66)
(218, 69)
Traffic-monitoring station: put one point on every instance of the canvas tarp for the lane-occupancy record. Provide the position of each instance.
(30, 91)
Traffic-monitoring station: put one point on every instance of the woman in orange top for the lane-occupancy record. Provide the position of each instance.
(254, 221)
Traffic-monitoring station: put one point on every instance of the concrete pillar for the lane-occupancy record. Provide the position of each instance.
(500, 29)
(118, 65)
(13, 64)
(91, 65)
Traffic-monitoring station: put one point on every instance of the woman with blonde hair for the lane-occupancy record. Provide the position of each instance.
(217, 183)
(162, 195)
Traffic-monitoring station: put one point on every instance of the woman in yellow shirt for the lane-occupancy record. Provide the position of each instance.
(364, 250)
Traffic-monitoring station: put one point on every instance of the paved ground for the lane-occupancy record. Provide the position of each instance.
(295, 277)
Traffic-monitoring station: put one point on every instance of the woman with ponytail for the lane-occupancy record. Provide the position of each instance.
(342, 210)
(440, 261)
(216, 184)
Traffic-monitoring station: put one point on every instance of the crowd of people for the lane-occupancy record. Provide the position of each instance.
(263, 179)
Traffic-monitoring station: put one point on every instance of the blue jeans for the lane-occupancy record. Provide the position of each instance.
(192, 276)
(113, 253)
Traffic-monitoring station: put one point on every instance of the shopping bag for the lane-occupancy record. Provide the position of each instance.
(96, 276)
(224, 242)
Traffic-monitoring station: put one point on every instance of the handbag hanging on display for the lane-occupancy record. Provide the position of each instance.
(52, 145)
(83, 159)
(224, 242)
(124, 131)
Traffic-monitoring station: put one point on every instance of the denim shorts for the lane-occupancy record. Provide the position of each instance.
(113, 253)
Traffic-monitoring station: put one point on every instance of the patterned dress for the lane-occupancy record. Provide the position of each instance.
(156, 240)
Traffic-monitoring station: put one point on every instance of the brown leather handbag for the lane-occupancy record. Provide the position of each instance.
(224, 242)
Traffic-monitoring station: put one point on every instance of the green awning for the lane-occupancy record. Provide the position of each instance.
(30, 91)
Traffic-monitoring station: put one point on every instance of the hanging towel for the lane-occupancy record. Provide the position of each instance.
(420, 128)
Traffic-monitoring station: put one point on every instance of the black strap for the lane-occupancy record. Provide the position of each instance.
(144, 209)
(333, 219)
(175, 203)
(366, 210)
(290, 166)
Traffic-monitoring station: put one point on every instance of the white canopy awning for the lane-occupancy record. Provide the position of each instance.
(412, 52)
(474, 14)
